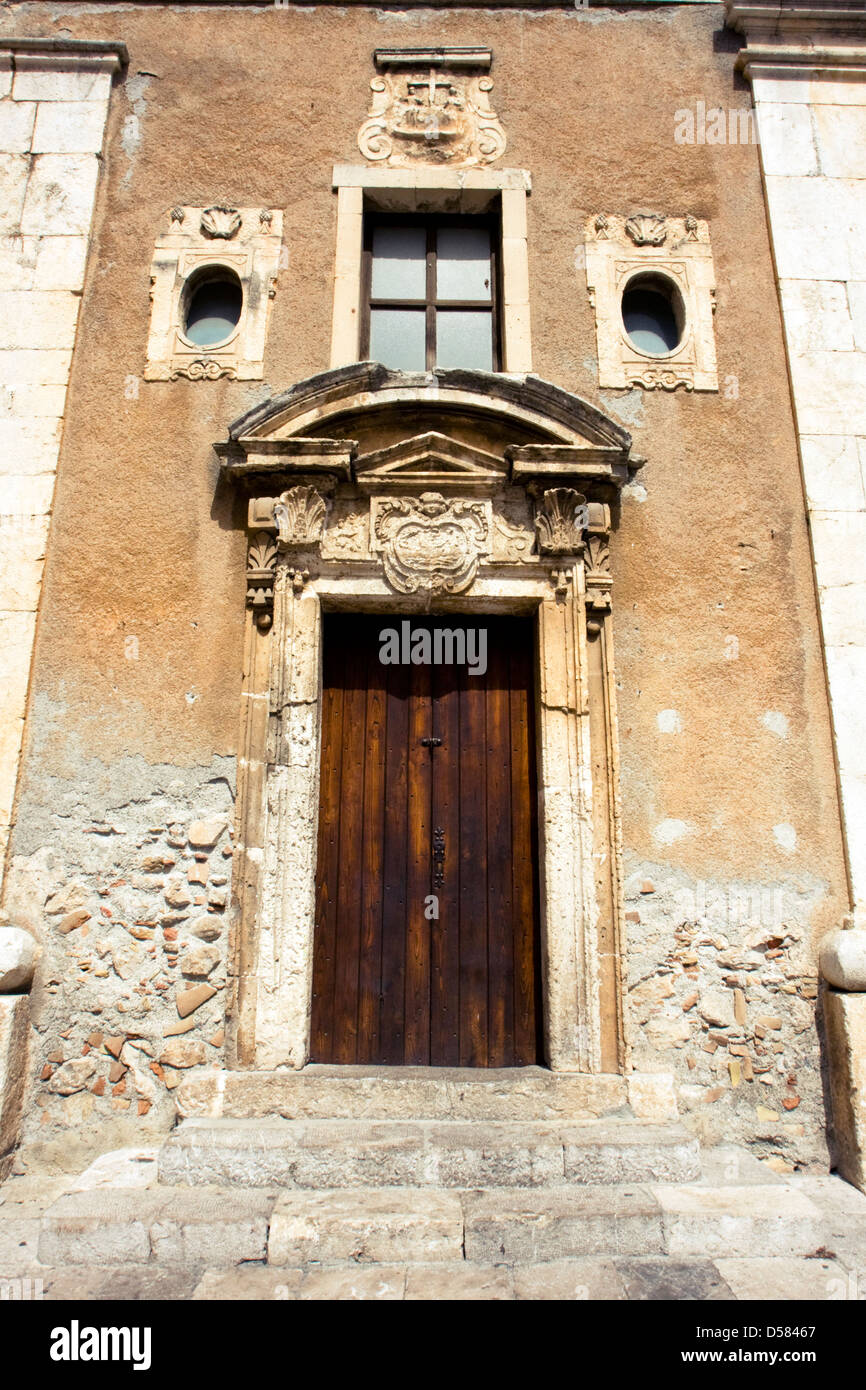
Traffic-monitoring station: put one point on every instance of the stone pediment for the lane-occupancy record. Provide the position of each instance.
(451, 429)
(430, 460)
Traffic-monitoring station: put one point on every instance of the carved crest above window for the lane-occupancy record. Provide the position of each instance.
(432, 106)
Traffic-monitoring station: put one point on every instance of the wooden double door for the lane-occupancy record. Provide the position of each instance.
(426, 940)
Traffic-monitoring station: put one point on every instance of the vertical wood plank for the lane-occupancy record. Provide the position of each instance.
(370, 964)
(351, 848)
(394, 863)
(500, 846)
(391, 986)
(445, 932)
(419, 841)
(473, 874)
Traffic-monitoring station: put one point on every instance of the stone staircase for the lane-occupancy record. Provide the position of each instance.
(382, 1127)
(415, 1183)
(378, 1183)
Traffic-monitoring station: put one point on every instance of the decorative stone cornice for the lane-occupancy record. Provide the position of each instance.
(792, 37)
(464, 57)
(427, 514)
(274, 464)
(364, 387)
(95, 55)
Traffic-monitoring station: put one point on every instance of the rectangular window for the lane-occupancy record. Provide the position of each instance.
(430, 293)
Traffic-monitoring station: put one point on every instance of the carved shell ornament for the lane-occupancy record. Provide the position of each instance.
(220, 223)
(560, 521)
(299, 516)
(431, 546)
(647, 229)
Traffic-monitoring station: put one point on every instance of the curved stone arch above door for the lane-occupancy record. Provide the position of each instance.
(358, 482)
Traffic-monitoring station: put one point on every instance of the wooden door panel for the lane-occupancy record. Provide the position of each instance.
(393, 983)
(445, 930)
(395, 898)
(500, 931)
(418, 837)
(373, 822)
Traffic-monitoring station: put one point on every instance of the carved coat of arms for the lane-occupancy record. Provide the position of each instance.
(430, 545)
(431, 115)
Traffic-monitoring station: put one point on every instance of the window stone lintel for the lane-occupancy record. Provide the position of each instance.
(431, 178)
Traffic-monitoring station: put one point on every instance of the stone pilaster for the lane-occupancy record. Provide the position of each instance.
(53, 108)
(807, 67)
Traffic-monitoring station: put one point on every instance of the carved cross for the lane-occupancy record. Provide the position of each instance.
(431, 83)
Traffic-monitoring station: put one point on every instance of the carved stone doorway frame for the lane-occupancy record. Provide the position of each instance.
(292, 581)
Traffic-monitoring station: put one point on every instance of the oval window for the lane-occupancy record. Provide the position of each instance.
(213, 310)
(652, 315)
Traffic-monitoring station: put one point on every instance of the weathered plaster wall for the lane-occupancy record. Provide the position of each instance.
(727, 764)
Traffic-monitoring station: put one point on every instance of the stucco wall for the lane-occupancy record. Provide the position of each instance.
(728, 785)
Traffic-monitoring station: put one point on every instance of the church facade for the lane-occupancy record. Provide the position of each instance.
(431, 569)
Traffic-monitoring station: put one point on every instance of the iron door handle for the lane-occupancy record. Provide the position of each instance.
(438, 857)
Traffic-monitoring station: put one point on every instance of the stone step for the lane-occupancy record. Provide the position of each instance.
(533, 1226)
(160, 1225)
(527, 1227)
(387, 1225)
(423, 1093)
(424, 1153)
(363, 1228)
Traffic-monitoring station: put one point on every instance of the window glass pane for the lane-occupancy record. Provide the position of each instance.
(464, 338)
(463, 263)
(214, 310)
(650, 321)
(398, 338)
(399, 263)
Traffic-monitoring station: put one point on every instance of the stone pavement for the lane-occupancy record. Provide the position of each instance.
(739, 1231)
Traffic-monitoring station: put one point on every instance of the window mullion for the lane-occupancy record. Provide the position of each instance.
(431, 296)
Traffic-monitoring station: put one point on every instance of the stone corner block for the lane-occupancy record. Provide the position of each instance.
(844, 1017)
(843, 957)
(18, 953)
(652, 1096)
(14, 1033)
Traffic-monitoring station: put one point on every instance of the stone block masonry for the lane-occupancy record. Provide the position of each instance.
(53, 110)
